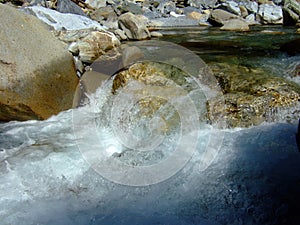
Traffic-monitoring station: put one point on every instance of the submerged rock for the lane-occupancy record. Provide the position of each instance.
(252, 97)
(37, 81)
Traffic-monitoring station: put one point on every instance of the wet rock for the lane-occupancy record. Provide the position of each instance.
(96, 4)
(291, 12)
(62, 21)
(202, 3)
(37, 81)
(218, 17)
(252, 97)
(235, 25)
(67, 6)
(134, 26)
(94, 45)
(270, 14)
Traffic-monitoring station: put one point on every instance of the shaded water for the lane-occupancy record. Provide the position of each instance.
(254, 179)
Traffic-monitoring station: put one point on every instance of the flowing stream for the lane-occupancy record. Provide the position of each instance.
(253, 179)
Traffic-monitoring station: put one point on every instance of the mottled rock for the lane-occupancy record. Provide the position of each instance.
(270, 14)
(37, 81)
(94, 45)
(62, 21)
(235, 25)
(218, 17)
(252, 97)
(134, 26)
(67, 6)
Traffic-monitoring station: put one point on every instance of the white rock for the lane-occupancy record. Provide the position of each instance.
(251, 6)
(62, 21)
(270, 14)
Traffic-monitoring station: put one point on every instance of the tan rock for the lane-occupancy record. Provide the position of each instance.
(195, 15)
(94, 45)
(235, 25)
(134, 26)
(37, 73)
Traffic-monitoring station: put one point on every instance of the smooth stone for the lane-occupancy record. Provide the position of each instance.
(195, 15)
(37, 81)
(67, 6)
(134, 26)
(250, 19)
(62, 21)
(235, 25)
(291, 12)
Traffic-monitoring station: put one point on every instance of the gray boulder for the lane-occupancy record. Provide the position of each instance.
(62, 21)
(67, 6)
(134, 26)
(96, 4)
(38, 78)
(270, 14)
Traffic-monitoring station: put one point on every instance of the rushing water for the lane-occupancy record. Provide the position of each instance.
(254, 178)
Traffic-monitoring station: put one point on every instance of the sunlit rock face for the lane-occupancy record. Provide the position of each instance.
(252, 96)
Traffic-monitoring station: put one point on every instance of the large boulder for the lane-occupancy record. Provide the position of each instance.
(38, 77)
(62, 21)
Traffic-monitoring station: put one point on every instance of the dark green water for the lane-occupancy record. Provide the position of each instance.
(259, 48)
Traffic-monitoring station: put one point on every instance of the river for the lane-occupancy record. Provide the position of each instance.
(253, 179)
